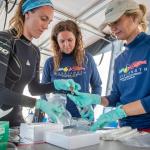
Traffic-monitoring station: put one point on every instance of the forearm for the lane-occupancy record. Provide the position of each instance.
(134, 108)
(131, 109)
(104, 101)
(11, 98)
(96, 90)
(36, 88)
(96, 87)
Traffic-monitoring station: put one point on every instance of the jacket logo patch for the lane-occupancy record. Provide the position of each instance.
(28, 63)
(4, 51)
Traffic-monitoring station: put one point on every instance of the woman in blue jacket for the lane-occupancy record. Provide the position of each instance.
(70, 61)
(131, 83)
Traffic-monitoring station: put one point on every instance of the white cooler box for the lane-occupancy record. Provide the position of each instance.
(35, 131)
(72, 138)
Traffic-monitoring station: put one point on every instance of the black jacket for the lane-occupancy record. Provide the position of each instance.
(19, 66)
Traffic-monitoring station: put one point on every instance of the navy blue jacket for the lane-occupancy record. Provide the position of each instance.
(131, 80)
(86, 76)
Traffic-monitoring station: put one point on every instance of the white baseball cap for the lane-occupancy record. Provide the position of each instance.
(116, 8)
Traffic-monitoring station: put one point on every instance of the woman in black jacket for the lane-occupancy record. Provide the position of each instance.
(20, 60)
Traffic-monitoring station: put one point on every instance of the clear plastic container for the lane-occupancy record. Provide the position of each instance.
(60, 99)
(14, 135)
(65, 118)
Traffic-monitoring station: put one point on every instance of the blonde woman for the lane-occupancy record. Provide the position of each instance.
(20, 59)
(70, 61)
(131, 84)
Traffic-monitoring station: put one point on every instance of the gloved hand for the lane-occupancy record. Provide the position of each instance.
(84, 99)
(109, 117)
(52, 110)
(68, 85)
(118, 104)
(87, 113)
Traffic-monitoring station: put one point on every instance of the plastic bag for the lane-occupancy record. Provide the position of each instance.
(60, 99)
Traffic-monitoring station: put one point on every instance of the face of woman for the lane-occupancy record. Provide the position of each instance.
(126, 28)
(66, 41)
(37, 21)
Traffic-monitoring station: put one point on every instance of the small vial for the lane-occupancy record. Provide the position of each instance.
(85, 110)
(29, 118)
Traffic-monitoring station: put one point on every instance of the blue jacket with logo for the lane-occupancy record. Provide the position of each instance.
(87, 76)
(131, 80)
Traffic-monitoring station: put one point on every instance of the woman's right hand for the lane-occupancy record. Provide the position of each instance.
(84, 99)
(51, 109)
(67, 85)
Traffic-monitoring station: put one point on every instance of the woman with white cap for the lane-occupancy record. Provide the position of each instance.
(20, 59)
(131, 83)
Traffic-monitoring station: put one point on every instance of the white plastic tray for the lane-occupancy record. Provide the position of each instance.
(72, 138)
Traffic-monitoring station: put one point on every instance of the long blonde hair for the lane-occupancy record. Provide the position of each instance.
(17, 21)
(141, 15)
(78, 52)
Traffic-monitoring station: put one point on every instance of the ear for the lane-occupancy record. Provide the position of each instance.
(27, 14)
(135, 19)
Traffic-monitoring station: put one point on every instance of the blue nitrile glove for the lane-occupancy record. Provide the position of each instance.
(52, 110)
(109, 117)
(84, 99)
(87, 113)
(67, 85)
